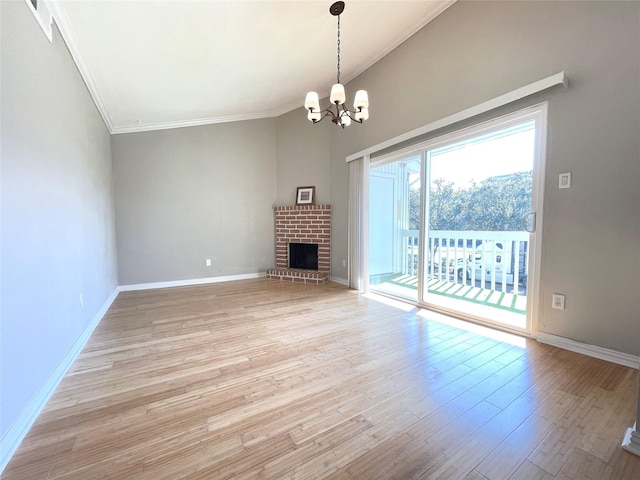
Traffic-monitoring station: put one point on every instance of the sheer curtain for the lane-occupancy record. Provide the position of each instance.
(357, 222)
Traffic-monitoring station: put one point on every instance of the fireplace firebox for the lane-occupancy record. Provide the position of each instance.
(303, 255)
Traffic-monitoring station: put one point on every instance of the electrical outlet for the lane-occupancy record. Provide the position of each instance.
(208, 262)
(558, 301)
(344, 262)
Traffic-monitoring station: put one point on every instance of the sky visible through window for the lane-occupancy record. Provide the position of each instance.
(500, 153)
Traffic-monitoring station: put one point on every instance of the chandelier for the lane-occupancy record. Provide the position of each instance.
(339, 113)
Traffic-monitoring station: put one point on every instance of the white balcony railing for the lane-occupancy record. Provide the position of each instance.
(495, 260)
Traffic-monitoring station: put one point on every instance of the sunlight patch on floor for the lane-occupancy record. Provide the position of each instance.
(499, 335)
(404, 306)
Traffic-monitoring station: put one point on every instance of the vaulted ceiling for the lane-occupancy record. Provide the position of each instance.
(162, 64)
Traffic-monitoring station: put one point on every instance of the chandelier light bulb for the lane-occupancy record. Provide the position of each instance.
(337, 94)
(362, 115)
(312, 103)
(361, 100)
(314, 116)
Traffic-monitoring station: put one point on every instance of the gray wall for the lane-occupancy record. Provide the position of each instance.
(188, 194)
(476, 51)
(57, 222)
(304, 151)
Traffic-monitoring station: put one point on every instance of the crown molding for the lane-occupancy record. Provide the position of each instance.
(64, 27)
(150, 127)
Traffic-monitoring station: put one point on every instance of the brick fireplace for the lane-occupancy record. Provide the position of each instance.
(302, 224)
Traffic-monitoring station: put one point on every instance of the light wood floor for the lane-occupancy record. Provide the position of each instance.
(262, 379)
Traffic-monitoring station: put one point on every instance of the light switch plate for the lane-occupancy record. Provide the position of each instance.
(564, 180)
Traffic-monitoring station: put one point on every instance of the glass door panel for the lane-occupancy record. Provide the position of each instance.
(477, 253)
(394, 211)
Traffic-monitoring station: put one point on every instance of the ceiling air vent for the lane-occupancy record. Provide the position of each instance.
(42, 14)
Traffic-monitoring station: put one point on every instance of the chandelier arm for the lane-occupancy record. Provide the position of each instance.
(327, 112)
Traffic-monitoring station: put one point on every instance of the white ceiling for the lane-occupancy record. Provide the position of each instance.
(154, 64)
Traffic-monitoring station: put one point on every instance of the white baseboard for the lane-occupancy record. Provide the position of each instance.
(20, 427)
(631, 441)
(342, 281)
(607, 354)
(185, 283)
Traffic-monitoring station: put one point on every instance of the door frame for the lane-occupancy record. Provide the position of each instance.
(538, 113)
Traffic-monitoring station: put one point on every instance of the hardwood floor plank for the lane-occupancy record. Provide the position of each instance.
(624, 465)
(582, 466)
(410, 454)
(315, 446)
(590, 426)
(478, 446)
(261, 379)
(529, 471)
(509, 455)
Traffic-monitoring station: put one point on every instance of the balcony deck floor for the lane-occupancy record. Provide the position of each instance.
(507, 308)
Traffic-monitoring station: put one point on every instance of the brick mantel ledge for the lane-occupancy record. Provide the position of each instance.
(303, 207)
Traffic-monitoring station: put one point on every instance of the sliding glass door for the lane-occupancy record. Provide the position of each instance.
(465, 243)
(394, 223)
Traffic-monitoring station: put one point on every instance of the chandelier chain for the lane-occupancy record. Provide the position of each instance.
(338, 76)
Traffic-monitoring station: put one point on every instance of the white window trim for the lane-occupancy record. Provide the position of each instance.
(509, 97)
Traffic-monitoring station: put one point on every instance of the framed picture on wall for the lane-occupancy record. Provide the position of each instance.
(305, 195)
